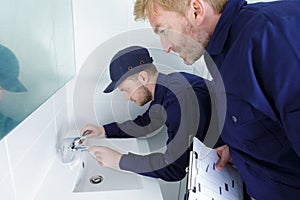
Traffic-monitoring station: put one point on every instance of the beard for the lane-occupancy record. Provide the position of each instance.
(193, 43)
(145, 94)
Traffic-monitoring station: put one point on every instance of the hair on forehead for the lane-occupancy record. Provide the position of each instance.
(145, 8)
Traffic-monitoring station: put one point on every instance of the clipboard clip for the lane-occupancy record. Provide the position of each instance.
(191, 183)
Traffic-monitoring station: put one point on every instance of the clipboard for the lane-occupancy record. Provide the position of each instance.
(206, 182)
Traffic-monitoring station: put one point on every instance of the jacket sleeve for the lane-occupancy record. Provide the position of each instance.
(183, 119)
(145, 124)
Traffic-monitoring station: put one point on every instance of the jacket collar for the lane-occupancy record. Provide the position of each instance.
(221, 31)
(159, 88)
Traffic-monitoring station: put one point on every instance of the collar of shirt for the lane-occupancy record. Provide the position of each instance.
(221, 31)
(160, 88)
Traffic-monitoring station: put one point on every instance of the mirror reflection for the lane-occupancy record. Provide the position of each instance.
(9, 81)
(36, 56)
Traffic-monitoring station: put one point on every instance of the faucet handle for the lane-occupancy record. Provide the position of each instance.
(79, 140)
(87, 132)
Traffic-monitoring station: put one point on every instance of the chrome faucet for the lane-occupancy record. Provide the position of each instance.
(70, 146)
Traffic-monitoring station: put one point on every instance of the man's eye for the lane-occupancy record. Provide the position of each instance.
(163, 32)
(126, 91)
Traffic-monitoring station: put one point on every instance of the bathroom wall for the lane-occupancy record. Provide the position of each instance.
(40, 33)
(28, 151)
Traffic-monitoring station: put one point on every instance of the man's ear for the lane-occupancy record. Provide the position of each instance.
(196, 11)
(143, 77)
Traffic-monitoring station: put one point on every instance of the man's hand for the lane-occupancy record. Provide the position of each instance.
(106, 157)
(96, 131)
(224, 155)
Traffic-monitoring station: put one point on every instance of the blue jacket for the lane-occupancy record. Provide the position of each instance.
(180, 100)
(6, 125)
(256, 48)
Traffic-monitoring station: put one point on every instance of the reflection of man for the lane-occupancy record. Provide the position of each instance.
(178, 100)
(9, 73)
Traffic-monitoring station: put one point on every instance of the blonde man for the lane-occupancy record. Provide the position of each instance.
(256, 48)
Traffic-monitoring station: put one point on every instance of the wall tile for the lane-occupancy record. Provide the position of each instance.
(6, 184)
(69, 101)
(59, 100)
(6, 189)
(20, 140)
(102, 24)
(62, 127)
(61, 114)
(31, 170)
(4, 162)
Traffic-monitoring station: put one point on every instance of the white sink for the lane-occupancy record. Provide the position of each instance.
(94, 178)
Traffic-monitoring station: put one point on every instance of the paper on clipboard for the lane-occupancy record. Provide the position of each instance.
(206, 182)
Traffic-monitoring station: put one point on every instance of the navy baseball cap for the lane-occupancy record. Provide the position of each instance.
(127, 62)
(9, 71)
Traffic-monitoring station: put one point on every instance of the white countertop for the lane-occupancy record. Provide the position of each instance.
(60, 181)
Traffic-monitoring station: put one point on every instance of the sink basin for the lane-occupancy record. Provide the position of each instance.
(92, 177)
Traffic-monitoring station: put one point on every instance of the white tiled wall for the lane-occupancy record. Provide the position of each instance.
(6, 184)
(28, 151)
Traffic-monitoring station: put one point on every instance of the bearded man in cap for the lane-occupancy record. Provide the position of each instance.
(180, 101)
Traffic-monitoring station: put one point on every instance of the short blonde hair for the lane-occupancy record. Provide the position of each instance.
(144, 8)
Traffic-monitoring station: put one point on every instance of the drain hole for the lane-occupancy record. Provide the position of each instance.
(96, 179)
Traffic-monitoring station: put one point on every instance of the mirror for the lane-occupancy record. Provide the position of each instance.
(37, 56)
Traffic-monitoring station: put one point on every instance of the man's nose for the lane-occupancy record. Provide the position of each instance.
(166, 45)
